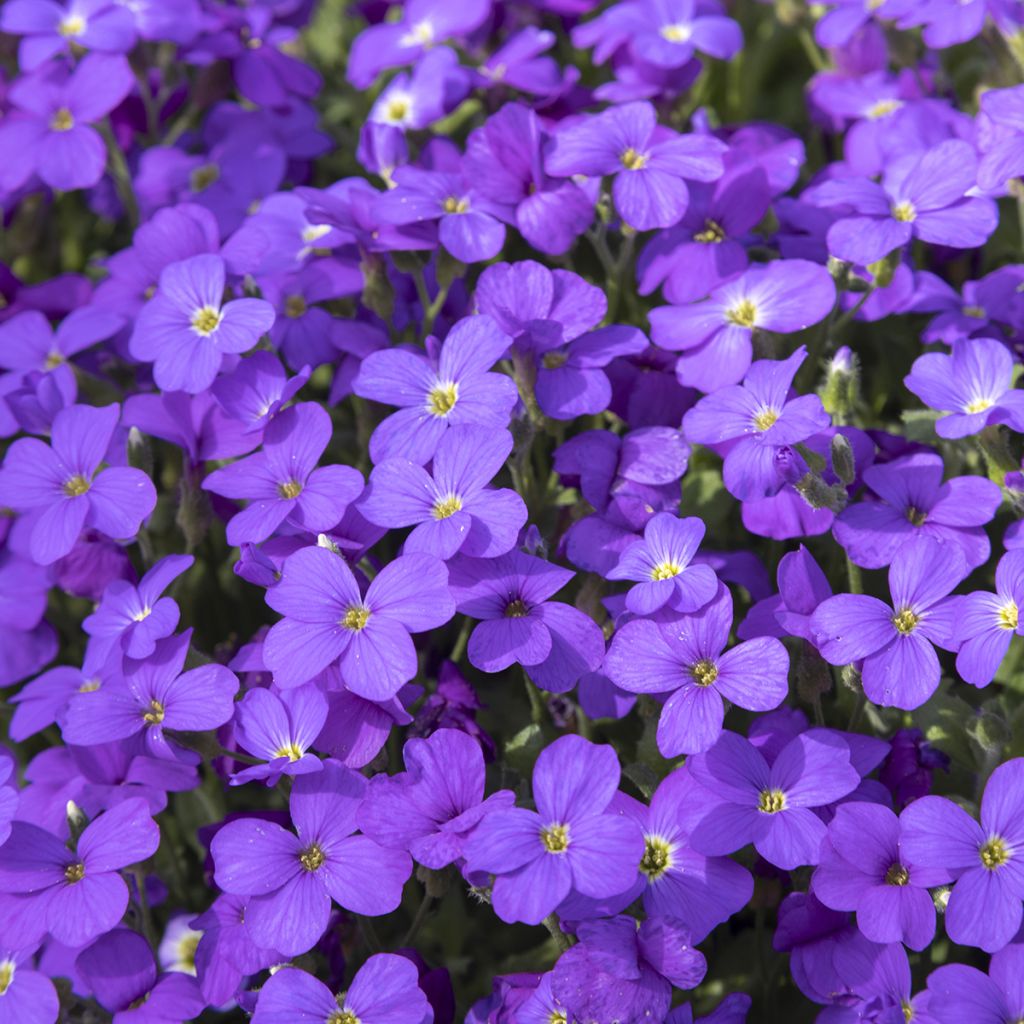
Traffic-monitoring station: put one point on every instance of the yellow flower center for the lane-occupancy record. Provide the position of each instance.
(676, 33)
(289, 489)
(904, 211)
(421, 33)
(908, 1012)
(76, 486)
(312, 858)
(555, 360)
(442, 398)
(905, 621)
(666, 570)
(203, 177)
(290, 750)
(294, 307)
(704, 672)
(915, 516)
(516, 609)
(343, 1017)
(979, 405)
(883, 108)
(6, 975)
(555, 838)
(453, 204)
(1008, 616)
(206, 320)
(771, 801)
(994, 853)
(632, 160)
(74, 872)
(765, 418)
(445, 508)
(155, 714)
(142, 614)
(53, 360)
(712, 234)
(974, 312)
(356, 617)
(314, 232)
(62, 121)
(187, 947)
(89, 686)
(743, 314)
(396, 109)
(897, 875)
(657, 858)
(71, 26)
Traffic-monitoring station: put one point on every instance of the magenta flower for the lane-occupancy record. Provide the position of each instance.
(571, 842)
(291, 878)
(186, 329)
(57, 486)
(328, 619)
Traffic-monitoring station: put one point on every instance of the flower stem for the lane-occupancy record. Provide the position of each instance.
(554, 928)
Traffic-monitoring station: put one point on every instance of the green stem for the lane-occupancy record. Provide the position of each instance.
(538, 712)
(422, 913)
(145, 914)
(814, 55)
(122, 176)
(848, 316)
(554, 929)
(461, 640)
(853, 574)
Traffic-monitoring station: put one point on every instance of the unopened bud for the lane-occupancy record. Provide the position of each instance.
(850, 678)
(140, 452)
(378, 293)
(840, 392)
(323, 541)
(791, 465)
(843, 464)
(76, 819)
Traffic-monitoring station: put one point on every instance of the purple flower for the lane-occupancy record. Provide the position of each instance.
(327, 619)
(1002, 144)
(154, 695)
(437, 85)
(120, 971)
(280, 727)
(78, 894)
(916, 503)
(650, 164)
(385, 990)
(431, 808)
(282, 482)
(449, 386)
(984, 907)
(802, 587)
(746, 800)
(714, 335)
(186, 329)
(291, 878)
(683, 655)
(987, 622)
(59, 490)
(660, 561)
(452, 508)
(29, 995)
(49, 28)
(257, 390)
(974, 385)
(962, 993)
(760, 419)
(863, 868)
(901, 668)
(571, 842)
(50, 132)
(922, 196)
(136, 617)
(554, 642)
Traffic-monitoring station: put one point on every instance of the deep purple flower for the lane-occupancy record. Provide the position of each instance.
(292, 878)
(745, 800)
(449, 386)
(283, 484)
(714, 335)
(58, 488)
(328, 619)
(683, 655)
(761, 419)
(802, 587)
(451, 508)
(78, 894)
(895, 643)
(984, 906)
(186, 329)
(650, 164)
(987, 622)
(436, 86)
(554, 642)
(863, 868)
(431, 807)
(135, 617)
(916, 503)
(570, 842)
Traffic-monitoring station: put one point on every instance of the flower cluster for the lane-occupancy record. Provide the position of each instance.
(511, 511)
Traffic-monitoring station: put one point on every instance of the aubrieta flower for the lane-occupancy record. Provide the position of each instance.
(1002, 144)
(961, 993)
(28, 993)
(982, 861)
(554, 642)
(257, 389)
(431, 808)
(570, 842)
(49, 28)
(451, 508)
(78, 894)
(802, 587)
(135, 616)
(50, 131)
(760, 418)
(661, 563)
(447, 386)
(59, 491)
(291, 878)
(973, 385)
(863, 868)
(746, 800)
(915, 503)
(187, 328)
(897, 642)
(385, 990)
(280, 727)
(684, 655)
(283, 484)
(327, 619)
(986, 622)
(649, 164)
(714, 335)
(154, 695)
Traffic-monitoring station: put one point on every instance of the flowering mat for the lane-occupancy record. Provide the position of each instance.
(511, 511)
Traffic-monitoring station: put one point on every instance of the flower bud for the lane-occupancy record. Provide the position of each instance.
(791, 465)
(843, 464)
